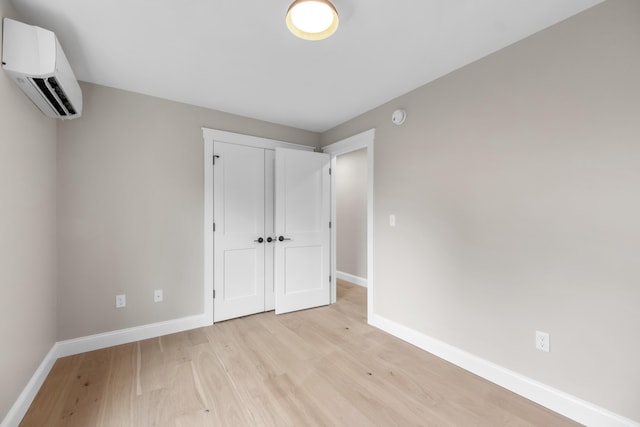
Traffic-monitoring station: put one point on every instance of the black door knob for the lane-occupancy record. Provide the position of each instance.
(260, 240)
(269, 239)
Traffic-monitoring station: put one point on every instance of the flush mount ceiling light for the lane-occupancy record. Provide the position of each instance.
(312, 19)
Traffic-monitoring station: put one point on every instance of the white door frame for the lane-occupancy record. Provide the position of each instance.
(356, 142)
(209, 136)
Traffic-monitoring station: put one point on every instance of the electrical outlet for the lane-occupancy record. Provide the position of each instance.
(542, 341)
(121, 301)
(157, 295)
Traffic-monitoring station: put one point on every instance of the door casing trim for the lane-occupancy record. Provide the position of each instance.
(210, 136)
(361, 140)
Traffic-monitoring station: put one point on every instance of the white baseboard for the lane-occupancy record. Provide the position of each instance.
(563, 403)
(360, 281)
(124, 336)
(90, 343)
(21, 405)
(556, 400)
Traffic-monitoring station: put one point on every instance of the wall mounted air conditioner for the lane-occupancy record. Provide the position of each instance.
(33, 57)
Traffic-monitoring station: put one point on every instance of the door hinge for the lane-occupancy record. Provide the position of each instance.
(215, 156)
(329, 171)
(214, 294)
(329, 224)
(329, 278)
(214, 227)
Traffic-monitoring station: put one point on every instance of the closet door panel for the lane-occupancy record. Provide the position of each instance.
(302, 251)
(239, 215)
(269, 228)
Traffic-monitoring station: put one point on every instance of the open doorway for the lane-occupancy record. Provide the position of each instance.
(351, 230)
(356, 264)
(351, 217)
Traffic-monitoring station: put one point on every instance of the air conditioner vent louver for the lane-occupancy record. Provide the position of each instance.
(34, 58)
(61, 95)
(46, 91)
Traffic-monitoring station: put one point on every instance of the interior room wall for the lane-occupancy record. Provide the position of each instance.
(351, 213)
(131, 206)
(27, 236)
(515, 185)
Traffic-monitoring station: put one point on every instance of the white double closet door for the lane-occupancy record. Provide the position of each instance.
(272, 231)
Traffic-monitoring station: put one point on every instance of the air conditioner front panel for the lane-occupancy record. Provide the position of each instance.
(29, 50)
(34, 59)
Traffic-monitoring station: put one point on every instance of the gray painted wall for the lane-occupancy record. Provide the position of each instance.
(351, 213)
(515, 181)
(130, 215)
(27, 236)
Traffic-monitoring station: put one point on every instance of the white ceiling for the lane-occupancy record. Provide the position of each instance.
(238, 56)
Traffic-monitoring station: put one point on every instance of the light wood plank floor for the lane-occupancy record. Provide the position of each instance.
(320, 367)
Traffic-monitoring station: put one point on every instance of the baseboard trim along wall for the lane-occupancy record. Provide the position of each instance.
(90, 343)
(556, 400)
(21, 405)
(124, 336)
(356, 280)
(563, 403)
